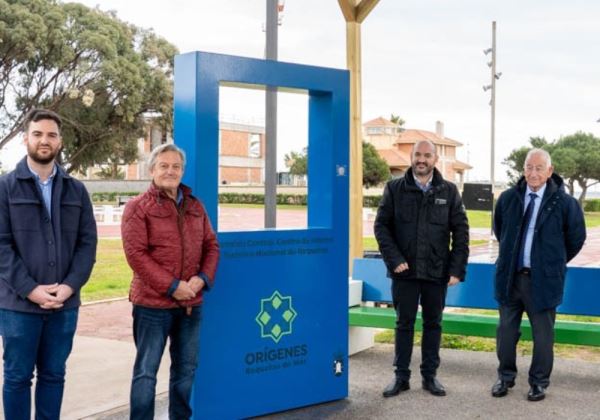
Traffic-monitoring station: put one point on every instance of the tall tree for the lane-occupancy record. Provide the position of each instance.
(375, 169)
(297, 162)
(396, 119)
(102, 75)
(575, 157)
(516, 159)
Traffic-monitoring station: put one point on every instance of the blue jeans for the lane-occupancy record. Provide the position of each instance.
(43, 342)
(151, 327)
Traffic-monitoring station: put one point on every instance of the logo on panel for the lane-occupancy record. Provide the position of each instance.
(276, 316)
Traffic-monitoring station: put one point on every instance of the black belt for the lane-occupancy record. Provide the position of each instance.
(525, 271)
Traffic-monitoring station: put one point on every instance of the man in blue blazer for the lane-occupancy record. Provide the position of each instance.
(47, 251)
(540, 228)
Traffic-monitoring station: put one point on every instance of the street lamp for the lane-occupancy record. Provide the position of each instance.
(492, 87)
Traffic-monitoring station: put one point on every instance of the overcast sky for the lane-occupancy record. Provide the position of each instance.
(422, 59)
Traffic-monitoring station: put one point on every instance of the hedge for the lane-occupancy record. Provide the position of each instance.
(246, 198)
(372, 201)
(99, 197)
(592, 205)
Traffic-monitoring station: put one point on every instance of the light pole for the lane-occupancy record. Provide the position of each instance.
(492, 86)
(274, 8)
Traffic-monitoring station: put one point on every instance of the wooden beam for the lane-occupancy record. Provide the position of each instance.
(355, 12)
(353, 59)
(364, 8)
(348, 9)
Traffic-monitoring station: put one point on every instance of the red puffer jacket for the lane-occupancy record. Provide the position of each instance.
(163, 242)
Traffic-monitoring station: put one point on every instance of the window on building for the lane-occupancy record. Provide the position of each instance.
(374, 130)
(254, 145)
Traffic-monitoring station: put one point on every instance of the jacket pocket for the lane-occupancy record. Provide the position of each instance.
(439, 214)
(70, 213)
(25, 214)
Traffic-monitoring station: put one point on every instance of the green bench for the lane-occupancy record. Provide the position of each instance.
(582, 294)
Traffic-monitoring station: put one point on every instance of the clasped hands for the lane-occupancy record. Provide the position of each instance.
(50, 296)
(187, 290)
(404, 266)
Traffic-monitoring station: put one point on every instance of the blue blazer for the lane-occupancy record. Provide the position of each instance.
(559, 235)
(36, 250)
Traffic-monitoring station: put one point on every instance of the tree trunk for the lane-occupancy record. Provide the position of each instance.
(571, 186)
(584, 188)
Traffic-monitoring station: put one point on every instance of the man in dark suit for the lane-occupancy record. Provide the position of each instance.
(540, 228)
(418, 217)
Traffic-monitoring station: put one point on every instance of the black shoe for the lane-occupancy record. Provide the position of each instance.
(536, 393)
(396, 387)
(434, 386)
(500, 388)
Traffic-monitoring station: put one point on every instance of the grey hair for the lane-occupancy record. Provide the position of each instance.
(540, 152)
(429, 142)
(169, 147)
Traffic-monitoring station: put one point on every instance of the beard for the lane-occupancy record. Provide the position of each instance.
(422, 171)
(42, 159)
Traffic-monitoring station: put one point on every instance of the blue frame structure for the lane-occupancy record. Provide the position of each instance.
(275, 328)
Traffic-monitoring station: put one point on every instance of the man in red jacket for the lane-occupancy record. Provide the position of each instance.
(173, 252)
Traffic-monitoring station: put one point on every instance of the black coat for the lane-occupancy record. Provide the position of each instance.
(417, 228)
(559, 235)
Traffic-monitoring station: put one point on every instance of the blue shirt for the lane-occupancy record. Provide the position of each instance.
(531, 227)
(425, 187)
(46, 188)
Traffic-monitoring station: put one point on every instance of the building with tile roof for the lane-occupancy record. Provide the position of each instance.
(394, 144)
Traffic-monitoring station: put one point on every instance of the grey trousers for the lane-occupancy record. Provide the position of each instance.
(508, 333)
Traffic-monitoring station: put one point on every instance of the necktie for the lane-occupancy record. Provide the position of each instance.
(524, 227)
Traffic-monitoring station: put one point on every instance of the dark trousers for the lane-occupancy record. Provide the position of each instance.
(406, 296)
(35, 341)
(151, 327)
(508, 333)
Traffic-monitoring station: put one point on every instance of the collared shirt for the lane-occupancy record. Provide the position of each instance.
(179, 198)
(46, 188)
(427, 185)
(531, 227)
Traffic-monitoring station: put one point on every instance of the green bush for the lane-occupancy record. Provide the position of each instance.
(247, 198)
(592, 205)
(371, 201)
(102, 197)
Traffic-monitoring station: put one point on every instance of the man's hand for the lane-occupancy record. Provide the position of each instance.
(184, 291)
(453, 281)
(62, 292)
(196, 283)
(44, 296)
(402, 267)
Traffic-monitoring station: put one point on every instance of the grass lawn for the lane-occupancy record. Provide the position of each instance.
(111, 276)
(461, 342)
(370, 244)
(482, 219)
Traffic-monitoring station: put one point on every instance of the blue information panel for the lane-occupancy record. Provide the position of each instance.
(275, 325)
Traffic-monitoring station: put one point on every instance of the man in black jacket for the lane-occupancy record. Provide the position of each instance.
(418, 217)
(539, 228)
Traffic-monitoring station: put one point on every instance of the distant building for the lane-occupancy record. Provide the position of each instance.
(241, 154)
(394, 144)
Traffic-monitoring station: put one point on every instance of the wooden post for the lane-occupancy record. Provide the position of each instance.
(355, 12)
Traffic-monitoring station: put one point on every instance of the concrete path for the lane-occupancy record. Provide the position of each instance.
(468, 377)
